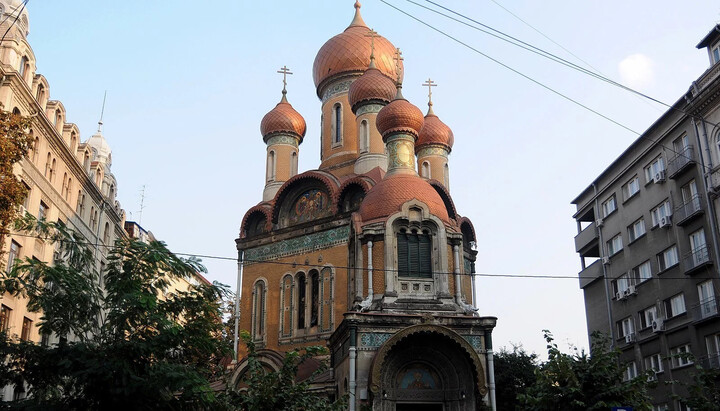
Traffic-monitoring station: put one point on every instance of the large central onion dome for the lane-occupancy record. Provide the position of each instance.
(283, 119)
(387, 197)
(349, 53)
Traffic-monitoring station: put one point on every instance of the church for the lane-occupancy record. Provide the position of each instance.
(367, 254)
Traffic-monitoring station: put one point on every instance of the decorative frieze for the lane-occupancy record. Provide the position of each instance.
(335, 89)
(369, 108)
(298, 245)
(373, 340)
(475, 341)
(432, 151)
(282, 139)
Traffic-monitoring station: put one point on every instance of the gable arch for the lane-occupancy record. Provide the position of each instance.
(252, 216)
(349, 192)
(298, 184)
(468, 231)
(446, 198)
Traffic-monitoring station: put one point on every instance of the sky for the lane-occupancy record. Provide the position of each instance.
(188, 83)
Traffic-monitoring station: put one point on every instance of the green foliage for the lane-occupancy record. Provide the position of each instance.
(581, 382)
(131, 346)
(277, 390)
(15, 143)
(703, 393)
(514, 372)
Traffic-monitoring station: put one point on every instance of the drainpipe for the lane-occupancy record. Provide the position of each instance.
(458, 290)
(472, 279)
(606, 280)
(370, 270)
(351, 378)
(237, 302)
(708, 183)
(491, 368)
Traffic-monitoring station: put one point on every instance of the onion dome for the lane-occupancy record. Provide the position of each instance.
(434, 131)
(349, 52)
(399, 115)
(372, 85)
(387, 197)
(283, 119)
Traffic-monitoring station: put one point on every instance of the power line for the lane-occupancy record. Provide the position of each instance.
(14, 21)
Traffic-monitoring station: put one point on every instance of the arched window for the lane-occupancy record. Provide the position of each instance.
(294, 163)
(16, 111)
(24, 66)
(364, 137)
(35, 148)
(53, 170)
(286, 306)
(56, 120)
(337, 124)
(98, 177)
(93, 217)
(414, 253)
(68, 190)
(73, 142)
(80, 204)
(48, 164)
(258, 310)
(106, 233)
(301, 288)
(271, 163)
(425, 171)
(315, 298)
(446, 177)
(63, 190)
(111, 194)
(40, 94)
(86, 162)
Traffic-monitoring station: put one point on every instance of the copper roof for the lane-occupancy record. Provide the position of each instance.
(434, 131)
(372, 85)
(349, 52)
(388, 196)
(283, 119)
(399, 115)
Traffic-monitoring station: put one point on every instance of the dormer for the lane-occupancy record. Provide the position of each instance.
(712, 42)
(41, 90)
(71, 136)
(55, 112)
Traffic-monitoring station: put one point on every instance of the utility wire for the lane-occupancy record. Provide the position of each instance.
(363, 269)
(14, 21)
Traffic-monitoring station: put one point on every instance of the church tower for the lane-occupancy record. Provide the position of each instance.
(434, 145)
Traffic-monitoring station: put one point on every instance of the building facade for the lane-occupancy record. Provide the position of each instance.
(365, 254)
(68, 180)
(648, 241)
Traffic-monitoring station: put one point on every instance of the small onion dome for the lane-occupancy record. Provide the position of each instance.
(399, 115)
(388, 196)
(434, 131)
(349, 52)
(283, 119)
(372, 85)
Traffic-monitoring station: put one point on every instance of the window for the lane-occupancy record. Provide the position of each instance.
(86, 161)
(668, 258)
(64, 186)
(425, 171)
(53, 169)
(48, 163)
(364, 137)
(713, 347)
(626, 327)
(622, 284)
(271, 166)
(609, 205)
(657, 213)
(26, 202)
(680, 144)
(45, 339)
(293, 163)
(630, 371)
(42, 211)
(446, 177)
(26, 328)
(681, 356)
(23, 67)
(631, 188)
(675, 305)
(699, 248)
(654, 363)
(35, 149)
(5, 312)
(656, 167)
(414, 253)
(716, 54)
(690, 195)
(615, 245)
(337, 124)
(706, 292)
(314, 298)
(647, 316)
(73, 142)
(106, 233)
(93, 217)
(643, 272)
(13, 255)
(636, 230)
(301, 284)
(80, 208)
(258, 315)
(40, 94)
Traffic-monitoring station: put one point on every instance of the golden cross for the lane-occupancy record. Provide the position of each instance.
(430, 84)
(285, 71)
(398, 58)
(372, 34)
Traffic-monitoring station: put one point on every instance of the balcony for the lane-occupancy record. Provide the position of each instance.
(688, 210)
(590, 273)
(684, 159)
(586, 239)
(706, 309)
(696, 259)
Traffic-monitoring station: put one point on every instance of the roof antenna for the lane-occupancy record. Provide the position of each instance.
(102, 112)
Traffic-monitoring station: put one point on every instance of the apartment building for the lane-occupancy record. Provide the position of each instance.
(648, 241)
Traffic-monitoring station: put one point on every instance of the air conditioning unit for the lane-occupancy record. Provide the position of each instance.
(660, 177)
(630, 338)
(606, 260)
(22, 210)
(666, 221)
(599, 222)
(632, 290)
(658, 325)
(619, 296)
(626, 293)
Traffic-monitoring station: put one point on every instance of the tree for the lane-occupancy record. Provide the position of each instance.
(15, 142)
(268, 390)
(579, 381)
(514, 372)
(704, 390)
(129, 345)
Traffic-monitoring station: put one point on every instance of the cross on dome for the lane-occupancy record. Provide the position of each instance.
(372, 34)
(398, 70)
(284, 70)
(430, 84)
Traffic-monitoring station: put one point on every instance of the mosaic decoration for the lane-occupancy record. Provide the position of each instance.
(369, 108)
(336, 88)
(400, 154)
(311, 205)
(475, 341)
(432, 151)
(468, 265)
(298, 245)
(374, 339)
(417, 377)
(282, 139)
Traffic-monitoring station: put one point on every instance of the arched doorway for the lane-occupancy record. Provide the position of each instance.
(427, 368)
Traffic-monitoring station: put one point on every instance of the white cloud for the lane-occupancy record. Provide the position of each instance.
(637, 71)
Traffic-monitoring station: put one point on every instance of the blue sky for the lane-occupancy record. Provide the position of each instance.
(188, 83)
